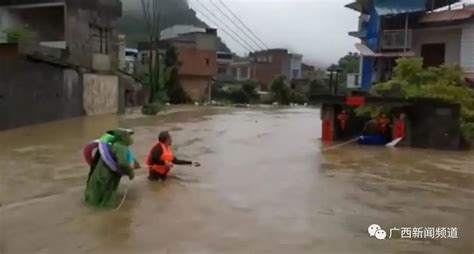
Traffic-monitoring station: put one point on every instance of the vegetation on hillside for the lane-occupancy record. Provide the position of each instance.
(410, 79)
(172, 12)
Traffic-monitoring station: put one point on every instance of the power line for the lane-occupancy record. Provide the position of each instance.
(236, 25)
(241, 22)
(222, 30)
(248, 46)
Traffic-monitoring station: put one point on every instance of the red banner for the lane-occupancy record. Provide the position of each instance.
(355, 100)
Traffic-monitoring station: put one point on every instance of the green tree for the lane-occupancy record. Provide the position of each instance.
(250, 88)
(318, 86)
(348, 64)
(175, 91)
(281, 91)
(410, 79)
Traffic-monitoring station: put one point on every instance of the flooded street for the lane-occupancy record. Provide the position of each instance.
(266, 185)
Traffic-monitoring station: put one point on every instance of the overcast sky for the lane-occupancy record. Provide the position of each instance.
(315, 28)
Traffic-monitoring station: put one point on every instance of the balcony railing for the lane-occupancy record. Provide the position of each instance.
(397, 39)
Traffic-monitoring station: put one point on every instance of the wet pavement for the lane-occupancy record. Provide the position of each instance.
(266, 185)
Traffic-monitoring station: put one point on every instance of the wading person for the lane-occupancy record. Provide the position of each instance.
(160, 159)
(109, 138)
(111, 161)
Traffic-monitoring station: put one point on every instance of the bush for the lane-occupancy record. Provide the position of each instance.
(281, 90)
(152, 109)
(250, 88)
(411, 80)
(298, 98)
(239, 96)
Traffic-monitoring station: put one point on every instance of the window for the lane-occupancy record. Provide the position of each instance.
(99, 39)
(433, 54)
(269, 59)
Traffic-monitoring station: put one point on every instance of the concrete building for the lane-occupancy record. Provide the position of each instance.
(296, 62)
(70, 55)
(242, 69)
(224, 60)
(431, 29)
(79, 32)
(197, 54)
(266, 65)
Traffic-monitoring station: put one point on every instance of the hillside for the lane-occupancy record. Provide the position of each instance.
(174, 12)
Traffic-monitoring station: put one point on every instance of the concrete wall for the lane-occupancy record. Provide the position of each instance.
(206, 41)
(467, 48)
(195, 87)
(101, 93)
(443, 124)
(37, 92)
(47, 23)
(83, 18)
(450, 36)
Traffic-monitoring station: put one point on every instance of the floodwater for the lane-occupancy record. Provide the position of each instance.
(266, 185)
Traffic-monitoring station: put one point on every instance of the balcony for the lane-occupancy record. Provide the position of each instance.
(395, 39)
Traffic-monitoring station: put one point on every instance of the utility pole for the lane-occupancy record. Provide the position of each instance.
(210, 90)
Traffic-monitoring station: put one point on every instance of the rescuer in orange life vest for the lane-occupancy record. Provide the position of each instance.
(383, 122)
(342, 117)
(160, 159)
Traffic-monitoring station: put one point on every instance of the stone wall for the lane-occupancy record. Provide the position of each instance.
(101, 93)
(35, 92)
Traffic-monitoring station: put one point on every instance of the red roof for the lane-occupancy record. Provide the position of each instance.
(444, 16)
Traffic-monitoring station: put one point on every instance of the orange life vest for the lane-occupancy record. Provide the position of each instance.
(383, 122)
(342, 117)
(166, 156)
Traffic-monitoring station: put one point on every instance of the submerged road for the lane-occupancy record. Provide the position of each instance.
(265, 186)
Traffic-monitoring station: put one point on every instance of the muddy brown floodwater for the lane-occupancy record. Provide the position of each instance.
(265, 186)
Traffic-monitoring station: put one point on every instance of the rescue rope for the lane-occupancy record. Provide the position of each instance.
(340, 145)
(124, 195)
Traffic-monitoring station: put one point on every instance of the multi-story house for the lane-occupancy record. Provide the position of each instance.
(266, 65)
(436, 30)
(197, 54)
(58, 59)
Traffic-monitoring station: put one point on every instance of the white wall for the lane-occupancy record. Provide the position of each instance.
(450, 36)
(467, 48)
(295, 64)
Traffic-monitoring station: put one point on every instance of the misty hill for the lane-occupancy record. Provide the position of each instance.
(173, 12)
